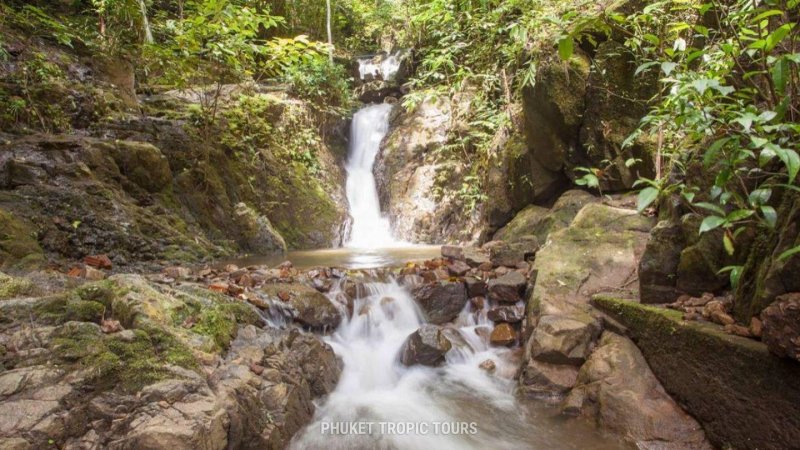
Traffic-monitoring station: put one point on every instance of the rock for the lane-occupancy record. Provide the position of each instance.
(503, 334)
(537, 222)
(477, 303)
(453, 252)
(458, 268)
(715, 311)
(257, 233)
(616, 388)
(510, 314)
(476, 287)
(488, 365)
(98, 261)
(475, 257)
(177, 272)
(701, 260)
(426, 346)
(756, 327)
(714, 374)
(738, 330)
(658, 268)
(781, 326)
(92, 274)
(483, 332)
(509, 288)
(564, 340)
(312, 308)
(511, 254)
(441, 301)
(547, 381)
(110, 326)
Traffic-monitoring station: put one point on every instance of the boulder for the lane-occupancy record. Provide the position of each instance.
(538, 222)
(658, 268)
(714, 374)
(475, 287)
(311, 308)
(780, 326)
(257, 233)
(506, 313)
(507, 289)
(701, 260)
(503, 334)
(511, 254)
(426, 346)
(617, 389)
(441, 301)
(547, 381)
(564, 339)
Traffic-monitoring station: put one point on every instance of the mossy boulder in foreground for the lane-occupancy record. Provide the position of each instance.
(742, 395)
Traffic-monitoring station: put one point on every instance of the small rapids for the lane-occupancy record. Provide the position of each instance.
(379, 403)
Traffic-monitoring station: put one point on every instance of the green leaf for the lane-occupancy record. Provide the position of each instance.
(727, 242)
(780, 75)
(789, 253)
(739, 214)
(711, 207)
(711, 223)
(565, 48)
(646, 197)
(770, 215)
(735, 271)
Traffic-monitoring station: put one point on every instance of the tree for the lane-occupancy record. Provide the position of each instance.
(328, 25)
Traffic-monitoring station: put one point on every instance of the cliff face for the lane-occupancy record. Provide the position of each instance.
(86, 168)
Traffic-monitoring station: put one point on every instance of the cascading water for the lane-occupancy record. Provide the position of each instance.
(370, 229)
(456, 406)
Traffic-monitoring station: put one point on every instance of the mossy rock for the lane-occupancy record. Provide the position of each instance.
(717, 375)
(11, 287)
(142, 163)
(19, 248)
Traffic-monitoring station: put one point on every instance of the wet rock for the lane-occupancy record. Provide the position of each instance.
(511, 254)
(483, 332)
(475, 257)
(564, 340)
(426, 346)
(441, 301)
(503, 334)
(258, 234)
(177, 272)
(488, 365)
(477, 303)
(756, 327)
(313, 309)
(543, 380)
(509, 288)
(738, 330)
(476, 287)
(701, 260)
(617, 388)
(453, 252)
(781, 326)
(510, 314)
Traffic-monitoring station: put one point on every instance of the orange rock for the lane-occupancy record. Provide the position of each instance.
(75, 272)
(219, 287)
(503, 334)
(284, 296)
(98, 261)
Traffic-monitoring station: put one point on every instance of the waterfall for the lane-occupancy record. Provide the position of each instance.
(370, 228)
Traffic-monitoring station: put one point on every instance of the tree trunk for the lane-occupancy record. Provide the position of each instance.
(330, 32)
(148, 34)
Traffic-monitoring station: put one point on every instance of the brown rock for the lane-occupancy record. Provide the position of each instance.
(219, 287)
(483, 332)
(110, 326)
(256, 369)
(756, 327)
(715, 312)
(738, 330)
(92, 274)
(488, 365)
(508, 288)
(452, 252)
(441, 301)
(475, 287)
(543, 380)
(506, 313)
(503, 335)
(457, 268)
(235, 289)
(477, 303)
(781, 326)
(426, 346)
(177, 272)
(98, 261)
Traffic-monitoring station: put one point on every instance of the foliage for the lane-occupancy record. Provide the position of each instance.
(323, 83)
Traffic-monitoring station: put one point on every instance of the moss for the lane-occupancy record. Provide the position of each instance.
(116, 363)
(84, 311)
(11, 287)
(19, 248)
(103, 292)
(221, 322)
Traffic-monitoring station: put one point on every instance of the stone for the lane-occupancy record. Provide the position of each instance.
(441, 301)
(511, 254)
(98, 261)
(475, 257)
(457, 268)
(713, 374)
(738, 330)
(617, 389)
(177, 272)
(426, 346)
(257, 232)
(475, 287)
(453, 252)
(658, 268)
(564, 340)
(781, 326)
(701, 260)
(715, 311)
(506, 313)
(509, 288)
(312, 309)
(537, 222)
(503, 334)
(92, 274)
(488, 365)
(547, 381)
(756, 327)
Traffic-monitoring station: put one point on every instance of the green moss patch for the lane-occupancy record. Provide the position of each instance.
(11, 287)
(19, 248)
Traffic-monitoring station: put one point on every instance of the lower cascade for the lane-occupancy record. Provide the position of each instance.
(381, 403)
(370, 228)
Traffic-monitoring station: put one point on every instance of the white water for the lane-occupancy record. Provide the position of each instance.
(376, 390)
(370, 228)
(385, 69)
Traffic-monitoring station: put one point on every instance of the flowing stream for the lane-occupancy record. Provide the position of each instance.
(381, 404)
